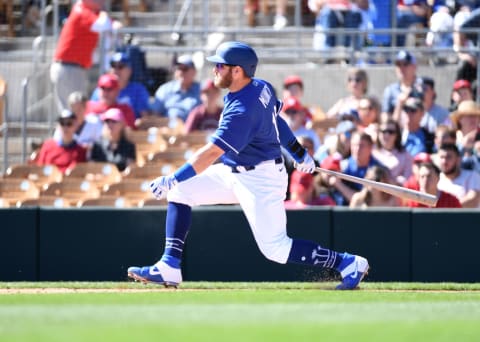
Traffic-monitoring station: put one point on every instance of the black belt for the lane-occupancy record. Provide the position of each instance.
(73, 64)
(242, 168)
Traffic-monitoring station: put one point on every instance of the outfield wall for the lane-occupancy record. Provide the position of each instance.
(98, 244)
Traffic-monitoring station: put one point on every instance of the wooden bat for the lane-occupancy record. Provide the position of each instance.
(391, 189)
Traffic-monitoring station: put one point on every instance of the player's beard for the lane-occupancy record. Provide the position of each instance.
(224, 81)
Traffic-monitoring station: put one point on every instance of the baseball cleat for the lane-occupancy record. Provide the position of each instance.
(160, 273)
(352, 269)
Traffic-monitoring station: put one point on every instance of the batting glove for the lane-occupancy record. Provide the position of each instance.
(161, 185)
(307, 165)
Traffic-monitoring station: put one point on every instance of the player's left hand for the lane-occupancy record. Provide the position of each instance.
(307, 165)
(161, 185)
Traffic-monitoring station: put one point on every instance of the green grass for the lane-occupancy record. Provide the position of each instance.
(204, 311)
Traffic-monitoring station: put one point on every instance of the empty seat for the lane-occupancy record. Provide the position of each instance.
(39, 175)
(73, 190)
(13, 190)
(152, 202)
(149, 171)
(192, 140)
(106, 201)
(99, 173)
(146, 142)
(176, 155)
(132, 189)
(48, 201)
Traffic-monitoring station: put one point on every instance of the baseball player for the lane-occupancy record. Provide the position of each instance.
(251, 174)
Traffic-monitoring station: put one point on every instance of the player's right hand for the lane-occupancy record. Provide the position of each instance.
(307, 165)
(161, 185)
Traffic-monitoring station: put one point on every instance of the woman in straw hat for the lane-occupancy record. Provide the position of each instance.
(467, 122)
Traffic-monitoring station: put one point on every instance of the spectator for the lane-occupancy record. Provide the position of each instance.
(295, 115)
(463, 184)
(338, 142)
(75, 47)
(357, 87)
(406, 71)
(88, 127)
(412, 181)
(443, 135)
(467, 121)
(415, 138)
(176, 98)
(114, 147)
(409, 13)
(461, 91)
(293, 87)
(206, 115)
(280, 20)
(441, 27)
(428, 178)
(303, 193)
(390, 152)
(108, 98)
(371, 197)
(333, 14)
(368, 12)
(132, 93)
(434, 113)
(368, 116)
(64, 151)
(356, 165)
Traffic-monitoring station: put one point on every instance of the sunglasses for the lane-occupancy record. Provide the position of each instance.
(220, 66)
(355, 79)
(388, 131)
(117, 66)
(106, 89)
(409, 110)
(66, 123)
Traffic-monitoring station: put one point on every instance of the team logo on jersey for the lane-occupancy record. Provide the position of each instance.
(265, 96)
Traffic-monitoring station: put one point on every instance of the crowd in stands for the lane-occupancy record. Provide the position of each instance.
(401, 136)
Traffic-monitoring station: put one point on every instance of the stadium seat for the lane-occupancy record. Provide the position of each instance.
(73, 190)
(147, 172)
(99, 173)
(193, 140)
(146, 142)
(134, 190)
(14, 190)
(39, 175)
(106, 201)
(152, 202)
(176, 155)
(45, 201)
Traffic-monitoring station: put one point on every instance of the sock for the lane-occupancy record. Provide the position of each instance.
(179, 218)
(309, 253)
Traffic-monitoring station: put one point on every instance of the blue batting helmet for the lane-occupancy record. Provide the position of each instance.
(236, 53)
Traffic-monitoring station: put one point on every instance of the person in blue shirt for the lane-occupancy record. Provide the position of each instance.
(132, 93)
(251, 173)
(176, 98)
(415, 138)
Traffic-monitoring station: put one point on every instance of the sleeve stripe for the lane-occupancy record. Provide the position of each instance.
(226, 144)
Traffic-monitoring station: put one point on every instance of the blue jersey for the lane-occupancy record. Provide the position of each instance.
(248, 131)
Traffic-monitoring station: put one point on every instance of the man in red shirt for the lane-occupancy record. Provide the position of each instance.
(109, 87)
(428, 177)
(64, 151)
(76, 44)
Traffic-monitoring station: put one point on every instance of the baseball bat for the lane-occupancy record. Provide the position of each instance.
(391, 189)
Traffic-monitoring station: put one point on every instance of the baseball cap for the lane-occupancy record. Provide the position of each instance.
(331, 163)
(114, 114)
(291, 104)
(345, 126)
(300, 182)
(404, 56)
(429, 81)
(422, 157)
(236, 53)
(413, 102)
(185, 60)
(109, 81)
(459, 84)
(66, 114)
(292, 79)
(120, 57)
